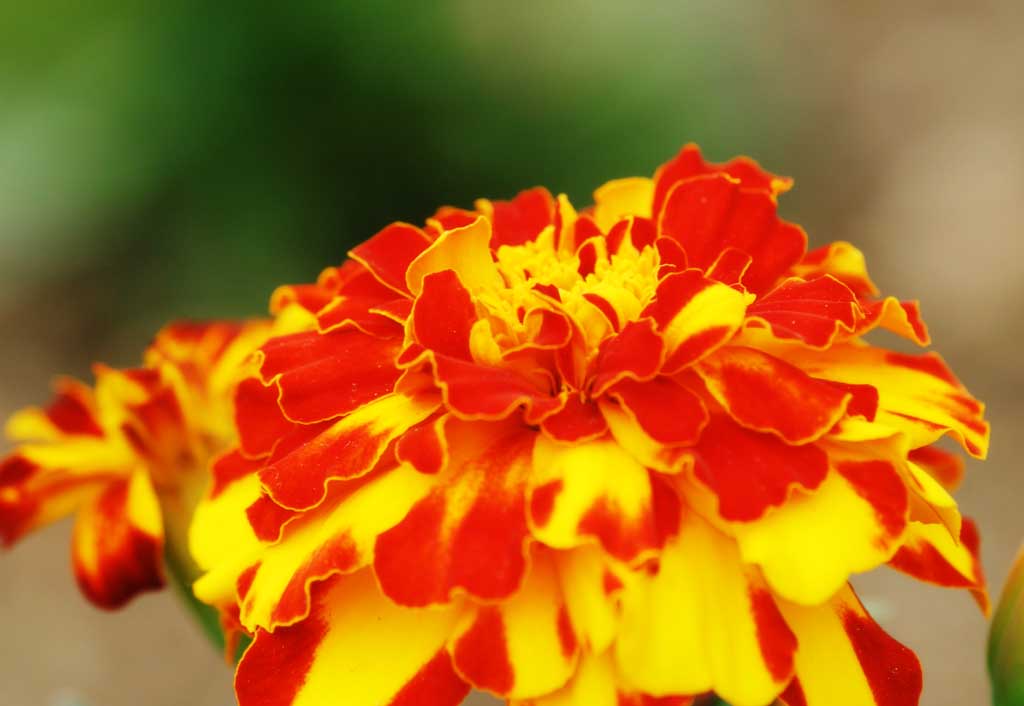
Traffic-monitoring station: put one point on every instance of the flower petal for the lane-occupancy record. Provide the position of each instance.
(347, 646)
(750, 471)
(917, 394)
(689, 163)
(768, 394)
(704, 621)
(695, 315)
(520, 220)
(219, 530)
(464, 250)
(322, 376)
(596, 490)
(816, 311)
(469, 533)
(634, 352)
(443, 315)
(621, 198)
(117, 544)
(578, 420)
(596, 683)
(668, 412)
(336, 538)
(304, 461)
(845, 659)
(389, 253)
(474, 392)
(929, 554)
(522, 647)
(590, 585)
(707, 214)
(810, 546)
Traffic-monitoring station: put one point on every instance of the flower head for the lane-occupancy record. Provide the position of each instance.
(126, 454)
(602, 457)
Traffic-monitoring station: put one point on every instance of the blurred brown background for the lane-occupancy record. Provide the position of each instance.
(181, 161)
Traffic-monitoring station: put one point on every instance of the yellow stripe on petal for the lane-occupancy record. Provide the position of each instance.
(703, 622)
(845, 659)
(621, 198)
(335, 538)
(523, 647)
(220, 531)
(356, 648)
(465, 250)
(590, 584)
(592, 490)
(808, 548)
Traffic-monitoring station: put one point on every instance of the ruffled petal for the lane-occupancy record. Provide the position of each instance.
(304, 461)
(695, 315)
(708, 214)
(751, 472)
(766, 393)
(817, 311)
(322, 376)
(389, 253)
(348, 646)
(335, 539)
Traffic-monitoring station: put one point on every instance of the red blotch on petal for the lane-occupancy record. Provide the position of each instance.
(879, 484)
(435, 684)
(814, 311)
(750, 471)
(892, 670)
(71, 411)
(777, 641)
(231, 467)
(275, 667)
(481, 654)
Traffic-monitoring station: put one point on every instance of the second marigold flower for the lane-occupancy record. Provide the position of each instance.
(609, 457)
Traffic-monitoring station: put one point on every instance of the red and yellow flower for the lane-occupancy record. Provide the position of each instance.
(129, 456)
(628, 455)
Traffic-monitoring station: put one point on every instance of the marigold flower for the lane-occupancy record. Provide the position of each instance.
(129, 456)
(629, 455)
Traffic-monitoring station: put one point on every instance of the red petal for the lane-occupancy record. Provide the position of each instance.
(326, 375)
(474, 391)
(708, 214)
(689, 163)
(258, 417)
(520, 220)
(668, 412)
(765, 393)
(634, 352)
(388, 253)
(751, 472)
(443, 315)
(815, 311)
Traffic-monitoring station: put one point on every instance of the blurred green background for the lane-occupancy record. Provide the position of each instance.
(181, 159)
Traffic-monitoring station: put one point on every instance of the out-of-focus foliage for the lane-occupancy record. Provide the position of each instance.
(181, 158)
(1006, 641)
